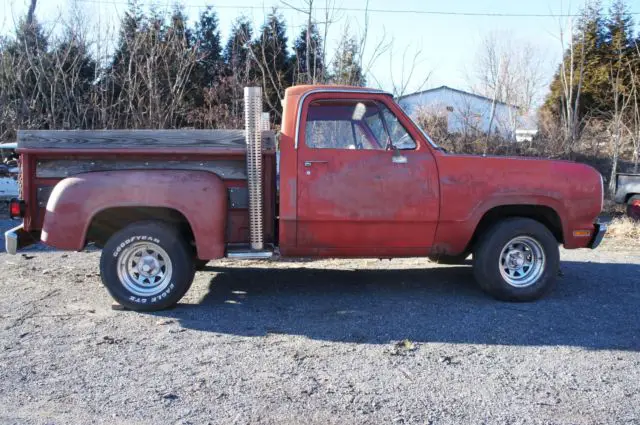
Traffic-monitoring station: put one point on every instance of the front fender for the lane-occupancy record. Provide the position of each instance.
(453, 236)
(199, 196)
(532, 199)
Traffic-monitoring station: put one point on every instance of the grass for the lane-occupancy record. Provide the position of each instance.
(624, 228)
(623, 231)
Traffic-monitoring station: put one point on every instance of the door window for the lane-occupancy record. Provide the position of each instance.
(359, 125)
(400, 138)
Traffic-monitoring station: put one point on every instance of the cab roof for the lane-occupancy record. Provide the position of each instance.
(304, 88)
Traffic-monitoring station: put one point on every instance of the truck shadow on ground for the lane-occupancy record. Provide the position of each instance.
(596, 306)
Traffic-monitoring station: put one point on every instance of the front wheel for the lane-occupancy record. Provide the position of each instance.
(147, 266)
(517, 260)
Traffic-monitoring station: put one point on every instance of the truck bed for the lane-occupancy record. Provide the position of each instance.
(50, 156)
(136, 139)
(627, 185)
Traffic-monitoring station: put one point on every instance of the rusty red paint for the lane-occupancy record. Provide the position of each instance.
(342, 209)
(198, 195)
(27, 163)
(357, 203)
(35, 215)
(472, 185)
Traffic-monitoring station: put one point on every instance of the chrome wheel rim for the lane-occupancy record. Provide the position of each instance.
(144, 269)
(522, 261)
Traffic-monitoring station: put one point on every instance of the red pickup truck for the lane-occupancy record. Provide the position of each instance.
(351, 175)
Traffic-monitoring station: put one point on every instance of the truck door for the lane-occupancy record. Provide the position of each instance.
(366, 185)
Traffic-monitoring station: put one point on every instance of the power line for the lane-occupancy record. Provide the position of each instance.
(374, 10)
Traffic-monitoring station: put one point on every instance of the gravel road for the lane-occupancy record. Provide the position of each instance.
(324, 342)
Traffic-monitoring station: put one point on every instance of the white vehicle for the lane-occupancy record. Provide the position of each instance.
(8, 172)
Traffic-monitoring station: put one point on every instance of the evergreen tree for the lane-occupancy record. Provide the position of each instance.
(236, 55)
(620, 50)
(591, 47)
(346, 68)
(207, 40)
(28, 55)
(179, 25)
(78, 69)
(123, 64)
(619, 27)
(598, 46)
(273, 62)
(209, 68)
(313, 71)
(238, 72)
(132, 22)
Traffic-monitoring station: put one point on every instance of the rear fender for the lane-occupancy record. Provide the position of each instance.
(199, 196)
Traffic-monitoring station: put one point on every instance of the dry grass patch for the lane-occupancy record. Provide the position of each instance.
(623, 230)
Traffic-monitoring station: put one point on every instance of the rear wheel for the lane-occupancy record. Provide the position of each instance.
(517, 260)
(633, 207)
(147, 266)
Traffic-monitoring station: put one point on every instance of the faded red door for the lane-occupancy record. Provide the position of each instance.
(353, 198)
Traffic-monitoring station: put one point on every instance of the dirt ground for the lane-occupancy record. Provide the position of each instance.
(324, 342)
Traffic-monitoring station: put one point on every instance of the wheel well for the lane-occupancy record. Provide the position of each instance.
(109, 221)
(629, 196)
(545, 215)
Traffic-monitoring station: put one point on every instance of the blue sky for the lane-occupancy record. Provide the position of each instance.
(447, 43)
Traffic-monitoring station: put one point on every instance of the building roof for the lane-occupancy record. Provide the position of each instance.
(456, 91)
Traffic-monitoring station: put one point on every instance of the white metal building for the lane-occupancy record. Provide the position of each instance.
(464, 112)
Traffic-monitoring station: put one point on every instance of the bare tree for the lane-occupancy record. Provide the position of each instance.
(572, 80)
(347, 68)
(622, 98)
(266, 55)
(315, 52)
(510, 71)
(331, 16)
(635, 108)
(307, 9)
(382, 45)
(408, 66)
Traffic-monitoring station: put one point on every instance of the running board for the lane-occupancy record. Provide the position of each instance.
(247, 254)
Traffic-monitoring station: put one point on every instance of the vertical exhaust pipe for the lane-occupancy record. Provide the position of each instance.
(253, 137)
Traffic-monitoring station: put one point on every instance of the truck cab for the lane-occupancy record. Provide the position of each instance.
(365, 183)
(355, 178)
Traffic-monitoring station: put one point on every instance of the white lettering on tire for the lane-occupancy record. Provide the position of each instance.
(157, 298)
(120, 247)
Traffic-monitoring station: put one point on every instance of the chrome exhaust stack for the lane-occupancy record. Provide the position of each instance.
(253, 136)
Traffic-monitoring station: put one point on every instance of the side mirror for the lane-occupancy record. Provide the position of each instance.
(398, 158)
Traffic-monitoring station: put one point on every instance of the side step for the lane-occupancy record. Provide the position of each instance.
(248, 254)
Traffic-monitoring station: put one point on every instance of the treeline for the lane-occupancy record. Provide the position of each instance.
(163, 72)
(593, 102)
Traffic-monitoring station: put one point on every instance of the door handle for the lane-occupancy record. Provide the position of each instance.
(309, 163)
(399, 159)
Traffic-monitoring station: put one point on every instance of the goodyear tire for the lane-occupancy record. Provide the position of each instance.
(147, 266)
(517, 260)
